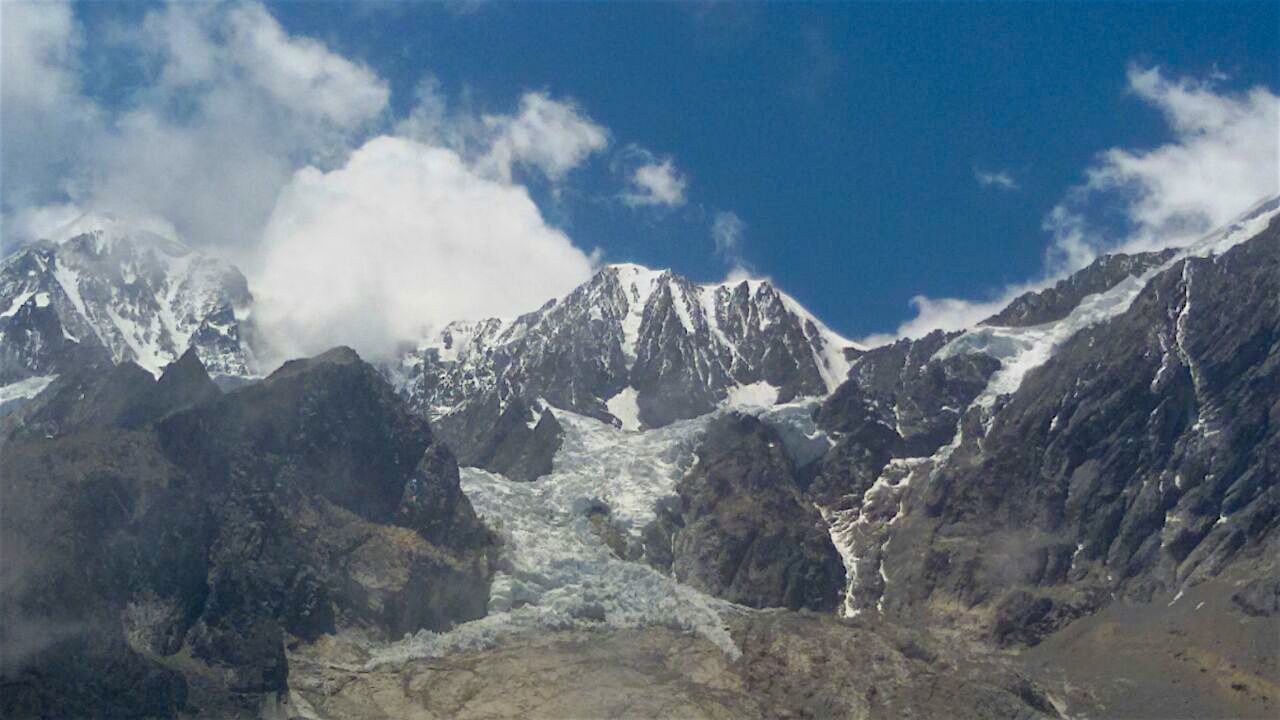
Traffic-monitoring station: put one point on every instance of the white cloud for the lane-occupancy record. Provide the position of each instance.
(38, 43)
(548, 135)
(655, 183)
(375, 238)
(434, 122)
(949, 314)
(405, 236)
(300, 73)
(1000, 179)
(40, 222)
(1224, 157)
(236, 105)
(45, 119)
(552, 137)
(727, 230)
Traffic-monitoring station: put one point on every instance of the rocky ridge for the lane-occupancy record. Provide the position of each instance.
(1112, 470)
(635, 347)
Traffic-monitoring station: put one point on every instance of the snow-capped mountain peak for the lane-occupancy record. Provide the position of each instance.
(635, 346)
(107, 288)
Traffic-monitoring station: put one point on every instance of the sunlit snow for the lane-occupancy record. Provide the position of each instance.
(26, 388)
(1021, 349)
(623, 406)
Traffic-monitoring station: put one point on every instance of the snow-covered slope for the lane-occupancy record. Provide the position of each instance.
(1021, 349)
(103, 288)
(634, 346)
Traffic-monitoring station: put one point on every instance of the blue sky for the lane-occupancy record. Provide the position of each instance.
(873, 152)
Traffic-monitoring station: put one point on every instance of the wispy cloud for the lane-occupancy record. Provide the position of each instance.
(821, 65)
(999, 179)
(552, 136)
(1221, 160)
(727, 230)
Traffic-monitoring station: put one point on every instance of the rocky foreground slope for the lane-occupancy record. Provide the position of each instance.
(163, 541)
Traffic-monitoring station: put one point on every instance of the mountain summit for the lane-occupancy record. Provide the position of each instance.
(103, 288)
(634, 346)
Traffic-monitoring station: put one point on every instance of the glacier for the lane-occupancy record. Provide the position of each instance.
(556, 572)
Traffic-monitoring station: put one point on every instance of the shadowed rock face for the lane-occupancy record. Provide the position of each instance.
(898, 402)
(742, 531)
(330, 425)
(515, 438)
(1055, 303)
(1142, 458)
(173, 538)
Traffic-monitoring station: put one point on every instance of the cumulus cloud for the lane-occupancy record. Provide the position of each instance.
(402, 238)
(374, 239)
(1223, 157)
(999, 179)
(655, 183)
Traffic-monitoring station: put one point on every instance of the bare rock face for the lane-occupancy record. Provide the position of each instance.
(742, 530)
(176, 538)
(1138, 461)
(899, 402)
(513, 437)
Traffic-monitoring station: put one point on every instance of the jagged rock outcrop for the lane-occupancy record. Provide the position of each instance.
(899, 402)
(173, 539)
(742, 530)
(515, 437)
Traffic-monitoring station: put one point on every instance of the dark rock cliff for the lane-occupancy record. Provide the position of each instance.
(163, 541)
(1141, 459)
(742, 530)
